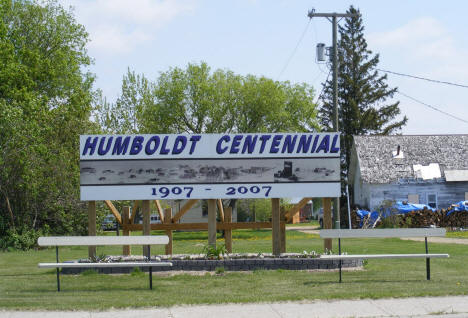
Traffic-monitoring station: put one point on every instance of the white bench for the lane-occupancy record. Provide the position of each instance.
(384, 233)
(102, 241)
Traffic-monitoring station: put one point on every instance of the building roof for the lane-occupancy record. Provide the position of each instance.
(379, 162)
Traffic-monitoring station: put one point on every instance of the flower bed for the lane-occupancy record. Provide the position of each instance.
(230, 262)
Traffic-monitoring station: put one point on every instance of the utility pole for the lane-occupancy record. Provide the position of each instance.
(333, 16)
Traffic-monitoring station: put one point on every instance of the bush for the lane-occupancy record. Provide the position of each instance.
(21, 239)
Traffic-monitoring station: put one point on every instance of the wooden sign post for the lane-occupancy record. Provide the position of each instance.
(125, 232)
(228, 232)
(168, 219)
(146, 224)
(327, 222)
(276, 226)
(92, 226)
(212, 222)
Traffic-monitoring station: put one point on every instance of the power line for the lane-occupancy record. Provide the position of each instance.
(316, 62)
(433, 107)
(294, 51)
(424, 78)
(323, 88)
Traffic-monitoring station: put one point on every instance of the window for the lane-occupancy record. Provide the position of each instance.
(432, 200)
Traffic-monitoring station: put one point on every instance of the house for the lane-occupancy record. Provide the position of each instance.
(428, 169)
(197, 213)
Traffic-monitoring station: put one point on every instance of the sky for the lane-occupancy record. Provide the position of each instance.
(275, 39)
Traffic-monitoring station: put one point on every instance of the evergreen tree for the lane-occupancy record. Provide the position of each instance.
(362, 91)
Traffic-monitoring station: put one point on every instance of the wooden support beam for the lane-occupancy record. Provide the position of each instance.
(187, 206)
(114, 211)
(296, 208)
(220, 209)
(201, 226)
(327, 222)
(283, 236)
(136, 203)
(212, 222)
(145, 206)
(276, 227)
(283, 229)
(168, 218)
(160, 210)
(228, 233)
(126, 220)
(92, 226)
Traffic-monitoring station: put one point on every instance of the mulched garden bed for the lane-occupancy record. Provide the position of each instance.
(231, 262)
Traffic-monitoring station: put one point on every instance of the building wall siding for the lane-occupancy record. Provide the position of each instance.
(447, 193)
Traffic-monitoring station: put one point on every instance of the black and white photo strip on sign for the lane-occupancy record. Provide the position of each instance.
(205, 166)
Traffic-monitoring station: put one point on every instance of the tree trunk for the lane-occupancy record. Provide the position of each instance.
(12, 219)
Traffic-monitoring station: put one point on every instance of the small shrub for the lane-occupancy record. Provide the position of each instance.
(214, 252)
(365, 262)
(21, 239)
(98, 258)
(220, 270)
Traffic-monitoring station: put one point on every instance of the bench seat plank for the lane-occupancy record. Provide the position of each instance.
(104, 265)
(360, 233)
(366, 256)
(102, 240)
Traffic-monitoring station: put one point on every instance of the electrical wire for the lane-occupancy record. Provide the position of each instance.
(323, 88)
(433, 107)
(294, 51)
(423, 78)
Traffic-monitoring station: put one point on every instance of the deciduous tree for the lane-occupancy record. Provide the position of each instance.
(197, 100)
(45, 103)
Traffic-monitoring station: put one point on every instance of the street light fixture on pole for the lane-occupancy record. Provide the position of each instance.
(333, 16)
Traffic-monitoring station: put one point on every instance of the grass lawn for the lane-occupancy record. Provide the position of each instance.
(313, 223)
(24, 286)
(457, 234)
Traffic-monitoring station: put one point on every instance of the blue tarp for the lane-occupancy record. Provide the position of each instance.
(405, 208)
(399, 206)
(363, 213)
(460, 206)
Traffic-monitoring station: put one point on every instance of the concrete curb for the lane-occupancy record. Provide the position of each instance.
(449, 307)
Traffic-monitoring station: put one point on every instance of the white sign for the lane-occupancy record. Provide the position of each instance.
(206, 166)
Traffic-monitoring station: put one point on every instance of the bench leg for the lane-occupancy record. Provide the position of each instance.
(428, 262)
(150, 269)
(58, 270)
(339, 253)
(151, 278)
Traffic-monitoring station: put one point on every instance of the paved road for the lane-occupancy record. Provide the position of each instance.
(447, 307)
